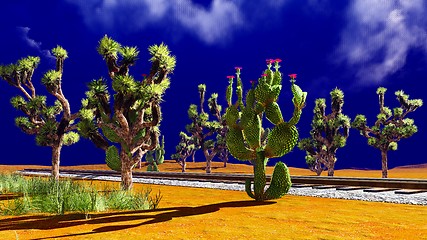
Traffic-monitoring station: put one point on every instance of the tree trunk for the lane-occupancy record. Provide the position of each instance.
(56, 154)
(384, 163)
(184, 165)
(331, 170)
(208, 160)
(126, 170)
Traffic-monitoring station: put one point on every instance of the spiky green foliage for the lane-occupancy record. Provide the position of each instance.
(208, 135)
(389, 128)
(41, 119)
(247, 140)
(134, 121)
(325, 134)
(156, 157)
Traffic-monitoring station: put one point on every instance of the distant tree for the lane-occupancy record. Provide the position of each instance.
(184, 149)
(41, 119)
(134, 121)
(325, 137)
(205, 132)
(389, 128)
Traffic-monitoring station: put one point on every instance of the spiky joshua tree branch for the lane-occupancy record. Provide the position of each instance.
(40, 119)
(389, 127)
(133, 122)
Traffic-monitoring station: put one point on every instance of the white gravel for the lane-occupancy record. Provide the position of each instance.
(389, 196)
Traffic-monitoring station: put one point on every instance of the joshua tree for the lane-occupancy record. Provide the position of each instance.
(133, 122)
(202, 129)
(247, 139)
(156, 157)
(325, 137)
(184, 149)
(389, 128)
(41, 119)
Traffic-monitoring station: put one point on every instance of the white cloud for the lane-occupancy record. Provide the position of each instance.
(24, 32)
(378, 36)
(212, 25)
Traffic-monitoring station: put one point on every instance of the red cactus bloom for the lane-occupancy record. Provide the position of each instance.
(293, 76)
(239, 68)
(144, 75)
(263, 75)
(277, 60)
(230, 77)
(269, 61)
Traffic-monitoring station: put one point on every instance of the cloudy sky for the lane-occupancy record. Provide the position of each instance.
(355, 45)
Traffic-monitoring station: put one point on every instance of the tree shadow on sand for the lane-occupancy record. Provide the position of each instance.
(146, 216)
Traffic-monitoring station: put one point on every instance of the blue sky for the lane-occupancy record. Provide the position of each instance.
(355, 45)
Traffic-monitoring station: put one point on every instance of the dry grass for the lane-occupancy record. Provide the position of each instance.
(193, 213)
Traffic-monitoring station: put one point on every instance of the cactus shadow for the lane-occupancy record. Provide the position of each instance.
(146, 217)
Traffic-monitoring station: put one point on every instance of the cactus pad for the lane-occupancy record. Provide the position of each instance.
(112, 159)
(281, 140)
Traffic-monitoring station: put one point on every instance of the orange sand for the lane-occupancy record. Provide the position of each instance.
(194, 213)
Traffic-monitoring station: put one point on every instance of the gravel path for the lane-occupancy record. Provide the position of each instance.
(389, 196)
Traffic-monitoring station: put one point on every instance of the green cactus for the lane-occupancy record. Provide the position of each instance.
(248, 140)
(112, 158)
(155, 161)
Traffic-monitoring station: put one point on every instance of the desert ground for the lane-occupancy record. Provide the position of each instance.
(195, 213)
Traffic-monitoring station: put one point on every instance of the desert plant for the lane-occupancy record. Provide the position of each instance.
(325, 137)
(389, 128)
(133, 124)
(41, 195)
(155, 157)
(41, 119)
(184, 149)
(246, 137)
(205, 132)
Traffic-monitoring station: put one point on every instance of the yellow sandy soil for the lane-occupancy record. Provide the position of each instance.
(193, 213)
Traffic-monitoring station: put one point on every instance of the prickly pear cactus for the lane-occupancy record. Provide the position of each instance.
(112, 159)
(154, 161)
(247, 140)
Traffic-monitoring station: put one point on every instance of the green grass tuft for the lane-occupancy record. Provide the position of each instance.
(38, 195)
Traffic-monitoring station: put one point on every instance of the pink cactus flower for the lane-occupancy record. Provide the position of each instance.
(144, 75)
(230, 77)
(293, 76)
(277, 60)
(263, 75)
(269, 61)
(238, 68)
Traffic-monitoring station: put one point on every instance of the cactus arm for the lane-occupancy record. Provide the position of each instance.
(281, 140)
(248, 188)
(280, 182)
(236, 146)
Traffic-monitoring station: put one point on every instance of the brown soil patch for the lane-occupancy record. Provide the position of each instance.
(195, 213)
